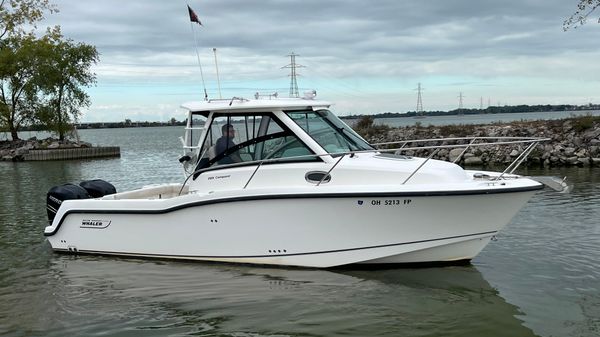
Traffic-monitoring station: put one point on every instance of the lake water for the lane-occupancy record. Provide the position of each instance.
(541, 278)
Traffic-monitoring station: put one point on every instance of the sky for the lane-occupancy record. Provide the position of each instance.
(364, 56)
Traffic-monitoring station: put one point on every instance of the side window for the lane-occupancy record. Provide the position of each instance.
(225, 133)
(248, 137)
(194, 131)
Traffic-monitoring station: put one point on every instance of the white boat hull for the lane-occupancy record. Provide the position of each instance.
(285, 182)
(294, 230)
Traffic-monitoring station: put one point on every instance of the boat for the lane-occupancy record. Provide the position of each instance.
(279, 181)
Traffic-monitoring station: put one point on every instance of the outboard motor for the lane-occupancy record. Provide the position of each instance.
(98, 188)
(57, 194)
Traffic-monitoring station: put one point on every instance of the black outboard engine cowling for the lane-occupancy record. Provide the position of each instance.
(57, 194)
(98, 188)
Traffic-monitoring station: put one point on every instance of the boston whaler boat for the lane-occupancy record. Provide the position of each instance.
(285, 182)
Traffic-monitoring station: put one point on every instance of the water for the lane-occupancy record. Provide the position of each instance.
(541, 278)
(482, 118)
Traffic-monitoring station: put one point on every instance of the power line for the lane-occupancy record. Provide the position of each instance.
(419, 99)
(293, 74)
(314, 68)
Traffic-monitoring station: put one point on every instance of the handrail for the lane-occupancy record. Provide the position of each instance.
(526, 154)
(533, 141)
(252, 176)
(518, 160)
(465, 150)
(459, 138)
(422, 164)
(537, 140)
(331, 169)
(240, 99)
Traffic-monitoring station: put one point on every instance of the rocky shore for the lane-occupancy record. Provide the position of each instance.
(573, 141)
(17, 150)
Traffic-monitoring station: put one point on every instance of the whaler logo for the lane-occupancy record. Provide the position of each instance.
(97, 224)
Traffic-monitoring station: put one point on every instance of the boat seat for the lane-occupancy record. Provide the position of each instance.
(211, 152)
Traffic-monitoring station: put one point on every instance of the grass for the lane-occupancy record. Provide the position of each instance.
(585, 122)
(457, 130)
(367, 128)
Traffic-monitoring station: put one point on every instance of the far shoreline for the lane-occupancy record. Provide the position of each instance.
(474, 112)
(525, 109)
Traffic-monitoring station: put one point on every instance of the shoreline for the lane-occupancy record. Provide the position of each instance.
(573, 141)
(508, 110)
(33, 149)
(378, 116)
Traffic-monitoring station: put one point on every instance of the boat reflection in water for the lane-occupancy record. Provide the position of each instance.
(111, 295)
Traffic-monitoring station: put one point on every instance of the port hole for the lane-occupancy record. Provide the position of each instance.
(316, 176)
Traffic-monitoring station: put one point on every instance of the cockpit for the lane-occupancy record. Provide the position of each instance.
(238, 137)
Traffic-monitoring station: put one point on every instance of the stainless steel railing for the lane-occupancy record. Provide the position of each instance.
(469, 142)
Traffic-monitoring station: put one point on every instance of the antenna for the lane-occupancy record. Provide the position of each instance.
(217, 68)
(481, 103)
(460, 100)
(199, 63)
(419, 99)
(293, 74)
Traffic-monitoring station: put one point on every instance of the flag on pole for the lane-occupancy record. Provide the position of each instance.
(193, 16)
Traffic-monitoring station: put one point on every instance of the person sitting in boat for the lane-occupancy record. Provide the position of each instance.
(226, 142)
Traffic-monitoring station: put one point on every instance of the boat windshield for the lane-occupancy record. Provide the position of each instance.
(329, 131)
(250, 137)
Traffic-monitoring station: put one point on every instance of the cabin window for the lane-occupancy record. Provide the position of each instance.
(195, 128)
(240, 138)
(329, 131)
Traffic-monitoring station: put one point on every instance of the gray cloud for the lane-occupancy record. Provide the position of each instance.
(150, 41)
(421, 29)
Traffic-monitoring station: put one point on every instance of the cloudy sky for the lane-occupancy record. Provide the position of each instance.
(366, 56)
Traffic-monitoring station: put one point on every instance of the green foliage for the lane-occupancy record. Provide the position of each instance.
(41, 80)
(367, 128)
(458, 130)
(16, 13)
(364, 123)
(65, 69)
(19, 60)
(582, 123)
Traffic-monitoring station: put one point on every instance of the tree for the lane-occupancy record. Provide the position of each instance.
(15, 13)
(17, 61)
(19, 57)
(65, 70)
(584, 9)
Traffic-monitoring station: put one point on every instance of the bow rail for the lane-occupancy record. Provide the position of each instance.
(462, 142)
